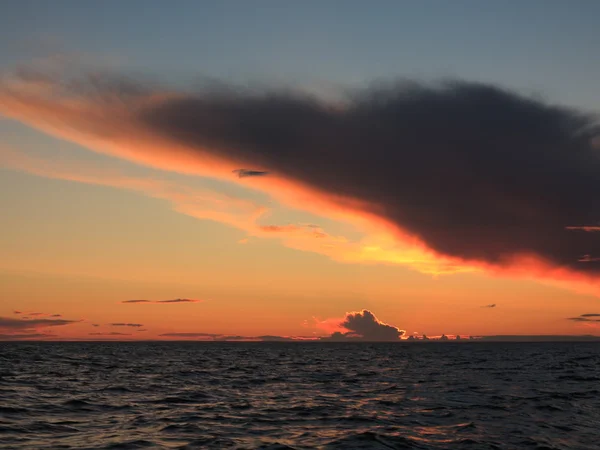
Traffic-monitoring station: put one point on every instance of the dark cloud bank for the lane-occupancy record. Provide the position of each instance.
(8, 323)
(476, 171)
(15, 329)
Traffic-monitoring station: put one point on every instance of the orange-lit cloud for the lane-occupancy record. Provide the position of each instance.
(377, 247)
(330, 325)
(196, 202)
(443, 179)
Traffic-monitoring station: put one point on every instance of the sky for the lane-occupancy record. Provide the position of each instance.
(264, 168)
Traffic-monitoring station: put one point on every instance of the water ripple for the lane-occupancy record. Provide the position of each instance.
(299, 396)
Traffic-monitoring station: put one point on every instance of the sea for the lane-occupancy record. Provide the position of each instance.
(196, 395)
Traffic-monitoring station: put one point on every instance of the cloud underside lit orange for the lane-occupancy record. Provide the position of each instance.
(114, 121)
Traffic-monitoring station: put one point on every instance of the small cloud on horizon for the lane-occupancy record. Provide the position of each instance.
(175, 300)
(364, 325)
(491, 305)
(585, 318)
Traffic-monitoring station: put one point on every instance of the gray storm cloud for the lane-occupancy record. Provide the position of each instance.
(473, 170)
(363, 325)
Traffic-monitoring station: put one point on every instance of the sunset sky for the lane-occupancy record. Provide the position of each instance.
(265, 168)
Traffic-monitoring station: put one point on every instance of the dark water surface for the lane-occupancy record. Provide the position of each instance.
(300, 395)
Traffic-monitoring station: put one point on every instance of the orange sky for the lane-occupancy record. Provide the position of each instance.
(99, 213)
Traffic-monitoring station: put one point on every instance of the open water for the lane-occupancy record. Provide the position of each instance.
(191, 395)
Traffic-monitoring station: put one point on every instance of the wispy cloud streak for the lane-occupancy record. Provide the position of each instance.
(175, 300)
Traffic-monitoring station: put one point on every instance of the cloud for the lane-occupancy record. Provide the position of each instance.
(455, 170)
(585, 318)
(243, 173)
(235, 338)
(588, 258)
(200, 203)
(121, 324)
(36, 314)
(112, 333)
(311, 231)
(363, 325)
(24, 328)
(19, 336)
(330, 325)
(588, 228)
(225, 337)
(179, 300)
(491, 305)
(6, 323)
(269, 338)
(175, 300)
(240, 214)
(279, 228)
